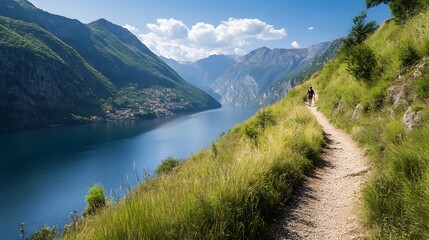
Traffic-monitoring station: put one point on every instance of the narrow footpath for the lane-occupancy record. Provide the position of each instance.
(325, 205)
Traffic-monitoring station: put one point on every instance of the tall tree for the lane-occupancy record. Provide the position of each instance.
(359, 31)
(401, 9)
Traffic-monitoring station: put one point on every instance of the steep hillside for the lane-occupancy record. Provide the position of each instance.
(247, 82)
(44, 81)
(140, 84)
(388, 114)
(204, 72)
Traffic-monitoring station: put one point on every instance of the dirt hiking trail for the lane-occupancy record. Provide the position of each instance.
(325, 205)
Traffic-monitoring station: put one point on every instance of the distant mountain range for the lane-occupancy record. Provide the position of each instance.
(55, 70)
(259, 78)
(204, 72)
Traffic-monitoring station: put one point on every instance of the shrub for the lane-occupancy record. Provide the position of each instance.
(265, 118)
(404, 9)
(362, 63)
(408, 55)
(95, 199)
(167, 165)
(46, 233)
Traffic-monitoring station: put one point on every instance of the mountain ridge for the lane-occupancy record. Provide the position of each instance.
(247, 82)
(136, 80)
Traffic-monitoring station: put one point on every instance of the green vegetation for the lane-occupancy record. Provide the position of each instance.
(167, 166)
(45, 233)
(396, 198)
(71, 72)
(95, 199)
(231, 190)
(361, 60)
(401, 9)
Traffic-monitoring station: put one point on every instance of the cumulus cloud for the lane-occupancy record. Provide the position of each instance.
(132, 29)
(310, 28)
(295, 44)
(172, 38)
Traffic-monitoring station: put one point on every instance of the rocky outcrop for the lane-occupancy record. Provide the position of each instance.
(411, 119)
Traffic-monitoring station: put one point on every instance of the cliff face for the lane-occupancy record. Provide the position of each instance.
(56, 69)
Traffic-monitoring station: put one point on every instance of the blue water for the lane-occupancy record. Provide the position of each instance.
(45, 173)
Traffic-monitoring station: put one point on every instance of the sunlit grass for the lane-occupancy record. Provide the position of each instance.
(232, 192)
(396, 198)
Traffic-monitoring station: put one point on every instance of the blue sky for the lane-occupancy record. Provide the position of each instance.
(194, 29)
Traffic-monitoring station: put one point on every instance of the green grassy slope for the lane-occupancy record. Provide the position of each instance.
(42, 79)
(396, 198)
(231, 190)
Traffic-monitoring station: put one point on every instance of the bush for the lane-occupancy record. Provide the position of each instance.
(95, 199)
(362, 63)
(408, 55)
(264, 118)
(404, 9)
(167, 165)
(46, 233)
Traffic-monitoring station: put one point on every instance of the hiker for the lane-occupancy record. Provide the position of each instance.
(310, 94)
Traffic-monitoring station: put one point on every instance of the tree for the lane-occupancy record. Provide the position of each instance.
(373, 3)
(360, 31)
(401, 9)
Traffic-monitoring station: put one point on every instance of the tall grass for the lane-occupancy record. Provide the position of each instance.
(396, 198)
(231, 190)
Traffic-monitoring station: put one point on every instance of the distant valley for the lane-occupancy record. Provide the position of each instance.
(259, 78)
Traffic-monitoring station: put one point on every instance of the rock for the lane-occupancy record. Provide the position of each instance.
(420, 67)
(339, 108)
(357, 111)
(411, 119)
(399, 74)
(399, 94)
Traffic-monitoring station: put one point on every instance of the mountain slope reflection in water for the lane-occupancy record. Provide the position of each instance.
(45, 173)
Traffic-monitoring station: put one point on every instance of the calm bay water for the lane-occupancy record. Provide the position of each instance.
(45, 173)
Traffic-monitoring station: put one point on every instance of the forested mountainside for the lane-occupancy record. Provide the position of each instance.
(66, 60)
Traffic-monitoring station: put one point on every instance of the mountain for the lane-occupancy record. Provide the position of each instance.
(51, 62)
(277, 89)
(203, 72)
(42, 80)
(248, 82)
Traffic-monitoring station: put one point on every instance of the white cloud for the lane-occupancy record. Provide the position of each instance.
(169, 28)
(132, 29)
(295, 44)
(310, 28)
(173, 39)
